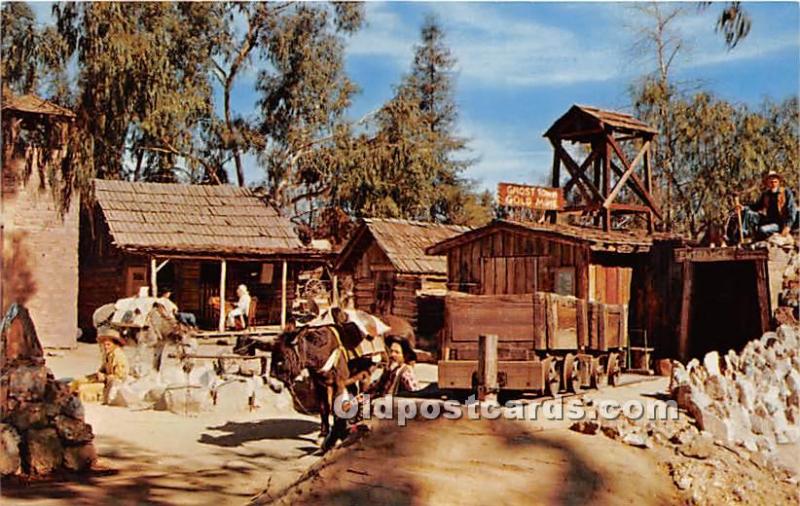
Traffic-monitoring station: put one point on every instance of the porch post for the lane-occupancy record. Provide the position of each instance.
(283, 295)
(335, 298)
(223, 267)
(153, 277)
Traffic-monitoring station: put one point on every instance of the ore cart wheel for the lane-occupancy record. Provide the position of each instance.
(614, 372)
(572, 377)
(600, 374)
(553, 380)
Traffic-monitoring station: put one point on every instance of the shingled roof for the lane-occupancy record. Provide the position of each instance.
(621, 241)
(193, 220)
(582, 121)
(404, 243)
(32, 104)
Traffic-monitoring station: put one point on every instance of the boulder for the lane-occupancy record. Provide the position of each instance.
(188, 400)
(636, 439)
(719, 427)
(761, 422)
(250, 367)
(747, 392)
(700, 447)
(44, 453)
(27, 382)
(716, 387)
(10, 461)
(73, 407)
(788, 336)
(73, 431)
(232, 396)
(79, 458)
(711, 363)
(29, 415)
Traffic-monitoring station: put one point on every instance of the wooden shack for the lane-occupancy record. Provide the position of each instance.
(391, 272)
(509, 257)
(39, 235)
(198, 241)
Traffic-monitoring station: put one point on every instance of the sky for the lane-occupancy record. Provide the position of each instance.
(520, 65)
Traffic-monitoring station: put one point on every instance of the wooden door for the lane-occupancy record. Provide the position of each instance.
(135, 277)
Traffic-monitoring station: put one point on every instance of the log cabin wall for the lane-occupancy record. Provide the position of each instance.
(503, 262)
(105, 272)
(371, 265)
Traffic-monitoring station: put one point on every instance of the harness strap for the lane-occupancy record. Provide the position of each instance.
(336, 353)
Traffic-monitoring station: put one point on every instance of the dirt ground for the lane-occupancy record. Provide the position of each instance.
(154, 457)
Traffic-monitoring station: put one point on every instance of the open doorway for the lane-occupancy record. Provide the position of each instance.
(725, 310)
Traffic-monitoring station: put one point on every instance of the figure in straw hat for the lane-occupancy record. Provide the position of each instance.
(774, 211)
(113, 367)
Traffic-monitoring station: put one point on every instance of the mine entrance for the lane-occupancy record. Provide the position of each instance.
(725, 307)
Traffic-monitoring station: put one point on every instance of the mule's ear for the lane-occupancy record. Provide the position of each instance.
(290, 327)
(339, 316)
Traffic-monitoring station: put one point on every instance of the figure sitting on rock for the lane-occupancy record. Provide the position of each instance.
(113, 368)
(775, 212)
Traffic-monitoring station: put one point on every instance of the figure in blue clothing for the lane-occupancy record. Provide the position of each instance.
(775, 212)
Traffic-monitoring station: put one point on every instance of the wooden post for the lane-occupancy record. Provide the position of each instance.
(487, 368)
(222, 274)
(335, 298)
(762, 289)
(648, 185)
(283, 294)
(556, 182)
(686, 303)
(606, 186)
(153, 277)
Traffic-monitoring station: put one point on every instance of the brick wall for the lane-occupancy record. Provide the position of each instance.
(51, 242)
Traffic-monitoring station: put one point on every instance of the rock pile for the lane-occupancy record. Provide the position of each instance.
(193, 386)
(751, 399)
(42, 429)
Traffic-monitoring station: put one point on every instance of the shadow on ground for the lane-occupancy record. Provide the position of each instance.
(239, 433)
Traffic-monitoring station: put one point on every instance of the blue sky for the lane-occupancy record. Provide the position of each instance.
(521, 65)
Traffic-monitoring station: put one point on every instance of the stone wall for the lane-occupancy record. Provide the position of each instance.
(46, 244)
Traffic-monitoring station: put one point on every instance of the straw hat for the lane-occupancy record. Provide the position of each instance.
(772, 174)
(110, 334)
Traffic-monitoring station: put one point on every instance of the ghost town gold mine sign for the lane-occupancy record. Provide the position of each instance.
(530, 197)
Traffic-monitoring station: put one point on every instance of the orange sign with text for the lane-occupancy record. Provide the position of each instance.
(531, 197)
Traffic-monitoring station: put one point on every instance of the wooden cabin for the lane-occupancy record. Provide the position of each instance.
(39, 234)
(391, 272)
(197, 241)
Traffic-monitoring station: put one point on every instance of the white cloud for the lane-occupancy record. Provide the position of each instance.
(504, 154)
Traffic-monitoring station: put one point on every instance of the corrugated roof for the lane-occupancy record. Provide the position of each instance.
(404, 243)
(193, 219)
(34, 105)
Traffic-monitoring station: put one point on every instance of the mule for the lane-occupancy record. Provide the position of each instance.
(317, 351)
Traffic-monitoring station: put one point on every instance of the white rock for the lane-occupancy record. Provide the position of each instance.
(188, 400)
(788, 336)
(711, 363)
(767, 338)
(716, 387)
(747, 392)
(233, 396)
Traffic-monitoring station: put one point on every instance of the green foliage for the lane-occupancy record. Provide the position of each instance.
(720, 151)
(409, 164)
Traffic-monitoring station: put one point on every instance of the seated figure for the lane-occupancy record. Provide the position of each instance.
(113, 369)
(775, 212)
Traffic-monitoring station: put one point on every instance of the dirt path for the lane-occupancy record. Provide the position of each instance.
(156, 457)
(484, 462)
